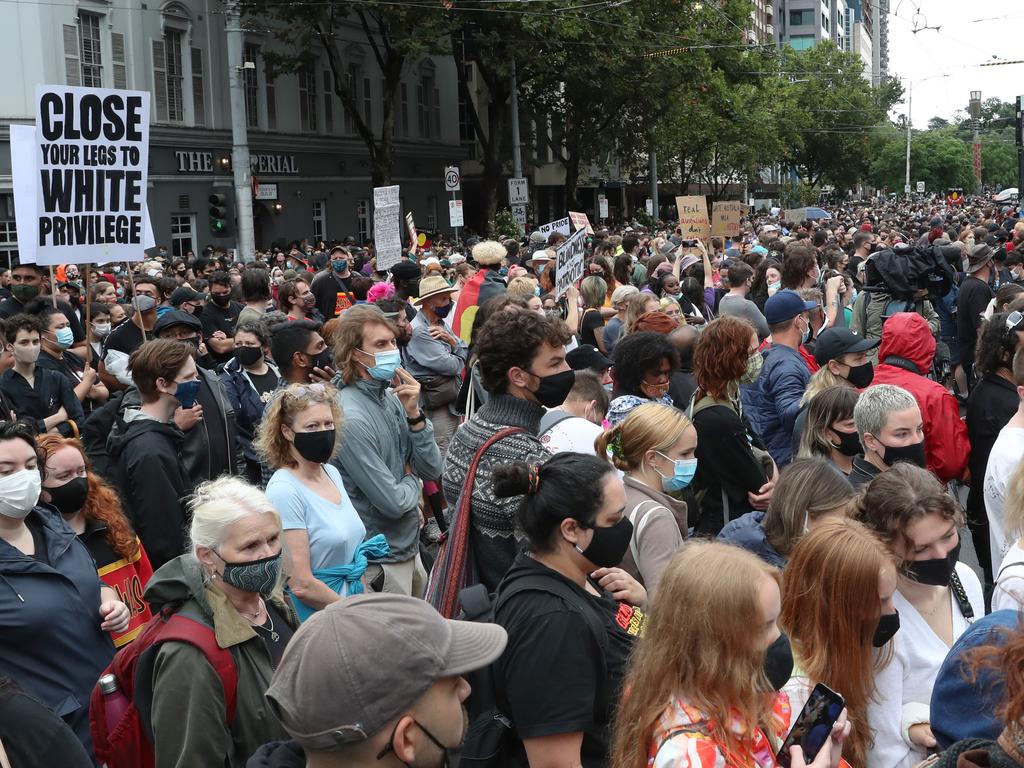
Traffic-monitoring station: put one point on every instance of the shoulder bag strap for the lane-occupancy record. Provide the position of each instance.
(4, 762)
(1017, 564)
(183, 629)
(960, 594)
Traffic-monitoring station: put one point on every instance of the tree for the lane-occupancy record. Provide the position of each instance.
(999, 163)
(938, 158)
(305, 30)
(837, 110)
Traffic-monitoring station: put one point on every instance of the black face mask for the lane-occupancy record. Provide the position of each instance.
(221, 300)
(778, 662)
(935, 572)
(248, 355)
(861, 375)
(321, 360)
(888, 625)
(849, 443)
(609, 545)
(553, 389)
(444, 309)
(70, 497)
(912, 454)
(317, 447)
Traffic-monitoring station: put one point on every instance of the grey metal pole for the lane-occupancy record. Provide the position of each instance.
(517, 154)
(653, 156)
(910, 105)
(239, 139)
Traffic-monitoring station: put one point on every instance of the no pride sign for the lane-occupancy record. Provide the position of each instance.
(92, 158)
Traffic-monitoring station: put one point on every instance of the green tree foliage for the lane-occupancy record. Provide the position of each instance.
(395, 34)
(938, 158)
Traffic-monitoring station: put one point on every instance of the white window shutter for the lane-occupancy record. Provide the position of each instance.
(160, 80)
(117, 58)
(72, 70)
(198, 95)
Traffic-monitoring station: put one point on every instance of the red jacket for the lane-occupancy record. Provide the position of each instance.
(907, 336)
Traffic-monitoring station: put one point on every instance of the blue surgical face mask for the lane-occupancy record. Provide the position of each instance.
(385, 364)
(65, 337)
(682, 475)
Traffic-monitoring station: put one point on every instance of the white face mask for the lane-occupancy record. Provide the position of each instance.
(19, 492)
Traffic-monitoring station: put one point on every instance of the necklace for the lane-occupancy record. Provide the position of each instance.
(274, 636)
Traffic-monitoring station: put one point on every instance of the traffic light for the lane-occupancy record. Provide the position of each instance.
(218, 215)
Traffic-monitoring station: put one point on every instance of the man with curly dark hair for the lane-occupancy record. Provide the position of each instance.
(521, 359)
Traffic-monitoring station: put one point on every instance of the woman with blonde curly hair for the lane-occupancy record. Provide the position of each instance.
(702, 687)
(298, 436)
(92, 509)
(654, 445)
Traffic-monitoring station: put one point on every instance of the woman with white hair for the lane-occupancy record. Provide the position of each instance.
(230, 583)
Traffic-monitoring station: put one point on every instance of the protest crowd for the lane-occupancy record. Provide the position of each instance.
(624, 497)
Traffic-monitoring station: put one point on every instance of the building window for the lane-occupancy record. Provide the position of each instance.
(319, 220)
(89, 50)
(182, 235)
(431, 213)
(403, 109)
(8, 231)
(426, 94)
(367, 103)
(801, 42)
(328, 102)
(250, 79)
(363, 220)
(466, 133)
(307, 98)
(271, 105)
(799, 18)
(352, 81)
(174, 75)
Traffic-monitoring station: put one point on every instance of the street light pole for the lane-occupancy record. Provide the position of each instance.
(239, 139)
(910, 106)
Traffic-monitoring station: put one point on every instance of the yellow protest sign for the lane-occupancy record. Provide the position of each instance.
(693, 217)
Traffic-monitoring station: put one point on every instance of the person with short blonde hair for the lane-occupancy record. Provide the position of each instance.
(230, 582)
(655, 447)
(298, 436)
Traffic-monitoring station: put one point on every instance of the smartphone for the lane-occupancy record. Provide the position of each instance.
(813, 725)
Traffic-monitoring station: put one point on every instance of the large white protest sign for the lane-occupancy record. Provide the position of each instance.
(387, 237)
(581, 221)
(26, 183)
(559, 225)
(569, 267)
(92, 159)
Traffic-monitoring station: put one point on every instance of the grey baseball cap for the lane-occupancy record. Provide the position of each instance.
(359, 663)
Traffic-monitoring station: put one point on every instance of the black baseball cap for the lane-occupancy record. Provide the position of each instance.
(183, 294)
(839, 341)
(587, 356)
(177, 317)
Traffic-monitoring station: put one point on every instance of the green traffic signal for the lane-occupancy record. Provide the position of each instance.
(218, 214)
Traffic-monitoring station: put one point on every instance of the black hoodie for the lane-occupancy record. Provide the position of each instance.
(147, 470)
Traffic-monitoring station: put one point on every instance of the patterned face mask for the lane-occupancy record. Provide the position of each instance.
(258, 576)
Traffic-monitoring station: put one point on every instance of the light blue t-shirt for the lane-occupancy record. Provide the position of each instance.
(334, 530)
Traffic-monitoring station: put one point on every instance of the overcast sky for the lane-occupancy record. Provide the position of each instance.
(971, 33)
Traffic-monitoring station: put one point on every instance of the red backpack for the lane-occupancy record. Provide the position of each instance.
(127, 742)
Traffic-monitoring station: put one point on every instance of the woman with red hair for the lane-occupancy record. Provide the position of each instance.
(92, 509)
(735, 475)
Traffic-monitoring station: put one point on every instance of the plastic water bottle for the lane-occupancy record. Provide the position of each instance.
(115, 703)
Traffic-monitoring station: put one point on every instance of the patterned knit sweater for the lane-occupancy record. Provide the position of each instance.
(494, 538)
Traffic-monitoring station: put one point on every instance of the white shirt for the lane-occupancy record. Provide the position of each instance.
(1007, 451)
(1009, 590)
(904, 687)
(574, 434)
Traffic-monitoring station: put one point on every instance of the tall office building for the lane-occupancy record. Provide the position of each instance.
(857, 26)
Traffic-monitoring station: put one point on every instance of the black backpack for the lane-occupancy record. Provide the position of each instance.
(97, 429)
(491, 739)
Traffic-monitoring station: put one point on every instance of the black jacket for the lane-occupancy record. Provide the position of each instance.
(992, 403)
(153, 482)
(863, 471)
(50, 392)
(278, 754)
(33, 735)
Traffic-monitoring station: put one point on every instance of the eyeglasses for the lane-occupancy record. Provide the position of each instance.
(1014, 319)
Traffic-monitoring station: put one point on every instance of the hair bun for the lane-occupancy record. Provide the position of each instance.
(511, 480)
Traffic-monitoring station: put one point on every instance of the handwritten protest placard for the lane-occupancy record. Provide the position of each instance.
(92, 156)
(693, 217)
(559, 225)
(725, 218)
(581, 221)
(569, 267)
(387, 237)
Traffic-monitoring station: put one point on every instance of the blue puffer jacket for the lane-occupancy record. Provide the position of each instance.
(747, 531)
(773, 401)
